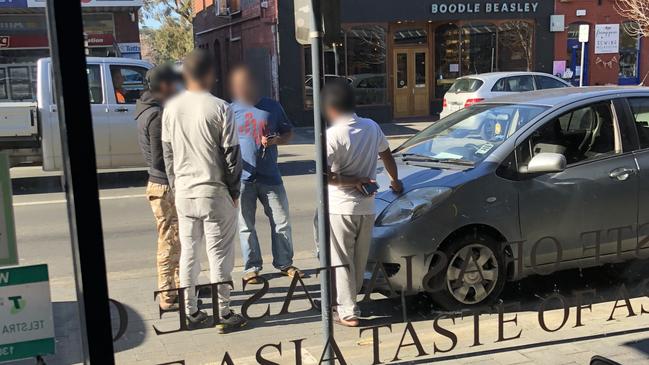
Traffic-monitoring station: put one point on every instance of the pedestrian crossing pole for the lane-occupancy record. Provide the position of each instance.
(315, 37)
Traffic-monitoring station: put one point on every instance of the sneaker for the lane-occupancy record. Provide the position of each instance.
(231, 322)
(197, 318)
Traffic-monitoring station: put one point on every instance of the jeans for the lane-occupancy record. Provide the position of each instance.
(214, 220)
(275, 202)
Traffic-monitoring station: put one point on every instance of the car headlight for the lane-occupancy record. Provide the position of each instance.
(412, 205)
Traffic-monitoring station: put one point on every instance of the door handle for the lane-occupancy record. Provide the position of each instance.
(121, 110)
(621, 173)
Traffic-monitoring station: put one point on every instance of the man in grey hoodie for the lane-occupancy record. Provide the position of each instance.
(148, 110)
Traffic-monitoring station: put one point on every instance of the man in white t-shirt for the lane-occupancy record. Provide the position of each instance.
(203, 162)
(353, 145)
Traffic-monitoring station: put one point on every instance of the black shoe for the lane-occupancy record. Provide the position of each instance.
(231, 322)
(197, 318)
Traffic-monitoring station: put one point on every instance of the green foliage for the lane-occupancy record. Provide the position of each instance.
(173, 39)
(170, 42)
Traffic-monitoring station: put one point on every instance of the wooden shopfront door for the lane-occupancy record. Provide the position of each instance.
(411, 82)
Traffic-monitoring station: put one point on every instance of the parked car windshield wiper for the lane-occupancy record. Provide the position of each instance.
(415, 157)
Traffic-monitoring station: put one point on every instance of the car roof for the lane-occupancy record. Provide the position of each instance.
(112, 60)
(490, 75)
(567, 95)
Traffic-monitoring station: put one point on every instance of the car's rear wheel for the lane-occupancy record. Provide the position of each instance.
(474, 274)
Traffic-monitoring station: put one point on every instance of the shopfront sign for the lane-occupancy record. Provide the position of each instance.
(607, 38)
(484, 8)
(13, 3)
(26, 324)
(91, 3)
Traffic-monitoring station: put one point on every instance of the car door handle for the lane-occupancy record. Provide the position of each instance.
(621, 173)
(121, 110)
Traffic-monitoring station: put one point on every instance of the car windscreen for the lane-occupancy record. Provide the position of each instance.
(467, 85)
(470, 134)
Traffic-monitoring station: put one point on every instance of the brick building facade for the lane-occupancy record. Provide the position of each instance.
(628, 66)
(237, 31)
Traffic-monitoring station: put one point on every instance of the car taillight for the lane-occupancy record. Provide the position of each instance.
(444, 105)
(470, 102)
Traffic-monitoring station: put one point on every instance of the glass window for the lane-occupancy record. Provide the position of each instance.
(472, 133)
(465, 85)
(3, 84)
(640, 110)
(447, 57)
(20, 85)
(514, 84)
(402, 70)
(415, 36)
(515, 46)
(98, 23)
(478, 48)
(366, 54)
(629, 51)
(420, 69)
(128, 82)
(95, 84)
(544, 82)
(95, 87)
(583, 134)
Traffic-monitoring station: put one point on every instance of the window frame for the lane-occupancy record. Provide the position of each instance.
(537, 81)
(108, 77)
(511, 77)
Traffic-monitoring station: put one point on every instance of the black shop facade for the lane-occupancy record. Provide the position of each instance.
(401, 57)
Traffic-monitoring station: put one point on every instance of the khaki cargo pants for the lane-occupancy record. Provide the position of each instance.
(164, 210)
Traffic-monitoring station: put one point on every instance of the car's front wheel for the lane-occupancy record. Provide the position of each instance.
(474, 274)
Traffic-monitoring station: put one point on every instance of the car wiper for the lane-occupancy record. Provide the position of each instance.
(415, 157)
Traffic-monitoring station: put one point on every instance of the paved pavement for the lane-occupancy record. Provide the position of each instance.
(130, 243)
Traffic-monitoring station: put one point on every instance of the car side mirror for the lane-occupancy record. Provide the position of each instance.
(546, 162)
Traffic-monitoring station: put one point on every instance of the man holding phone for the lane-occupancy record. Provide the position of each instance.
(263, 126)
(353, 144)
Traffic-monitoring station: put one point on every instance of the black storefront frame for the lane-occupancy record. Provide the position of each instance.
(388, 12)
(65, 29)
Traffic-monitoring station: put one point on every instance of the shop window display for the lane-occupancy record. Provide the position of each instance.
(475, 48)
(629, 54)
(360, 59)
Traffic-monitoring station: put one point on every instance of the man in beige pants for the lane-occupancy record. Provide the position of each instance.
(161, 82)
(353, 144)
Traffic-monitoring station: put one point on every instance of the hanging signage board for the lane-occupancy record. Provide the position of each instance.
(8, 251)
(26, 321)
(607, 38)
(584, 32)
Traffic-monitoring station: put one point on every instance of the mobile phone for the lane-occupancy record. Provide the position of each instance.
(272, 135)
(370, 188)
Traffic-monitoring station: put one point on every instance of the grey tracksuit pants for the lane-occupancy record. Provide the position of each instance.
(351, 236)
(214, 219)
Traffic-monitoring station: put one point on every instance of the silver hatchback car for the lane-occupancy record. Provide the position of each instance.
(524, 184)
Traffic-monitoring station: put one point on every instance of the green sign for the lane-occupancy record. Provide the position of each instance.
(8, 251)
(26, 324)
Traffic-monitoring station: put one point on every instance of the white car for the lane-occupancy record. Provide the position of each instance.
(468, 90)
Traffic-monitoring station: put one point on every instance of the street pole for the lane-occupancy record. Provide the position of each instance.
(581, 68)
(315, 36)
